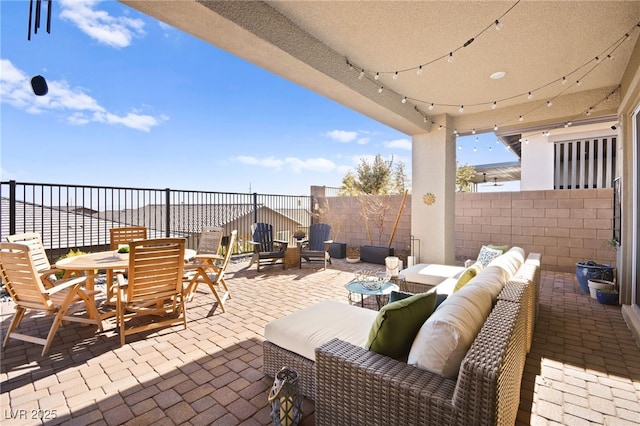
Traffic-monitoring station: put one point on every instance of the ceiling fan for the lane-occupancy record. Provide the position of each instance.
(485, 183)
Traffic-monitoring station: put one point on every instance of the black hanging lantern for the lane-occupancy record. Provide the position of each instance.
(285, 398)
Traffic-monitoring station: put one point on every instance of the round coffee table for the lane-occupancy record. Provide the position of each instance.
(356, 287)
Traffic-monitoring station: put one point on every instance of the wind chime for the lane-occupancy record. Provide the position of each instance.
(38, 82)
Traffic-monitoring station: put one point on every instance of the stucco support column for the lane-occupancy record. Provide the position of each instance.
(434, 172)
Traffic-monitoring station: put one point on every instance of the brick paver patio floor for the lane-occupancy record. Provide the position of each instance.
(584, 366)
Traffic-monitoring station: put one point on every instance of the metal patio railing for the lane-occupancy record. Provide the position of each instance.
(78, 217)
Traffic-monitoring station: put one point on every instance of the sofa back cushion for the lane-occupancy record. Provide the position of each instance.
(444, 339)
(397, 324)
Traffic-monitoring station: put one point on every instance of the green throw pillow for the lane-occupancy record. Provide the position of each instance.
(503, 248)
(397, 324)
(467, 275)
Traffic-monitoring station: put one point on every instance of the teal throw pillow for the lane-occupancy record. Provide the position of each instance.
(397, 324)
(398, 295)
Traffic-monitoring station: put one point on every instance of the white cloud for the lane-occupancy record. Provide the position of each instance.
(399, 144)
(113, 31)
(294, 164)
(80, 108)
(363, 141)
(343, 136)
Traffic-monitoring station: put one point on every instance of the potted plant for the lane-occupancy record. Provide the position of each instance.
(299, 234)
(595, 275)
(608, 296)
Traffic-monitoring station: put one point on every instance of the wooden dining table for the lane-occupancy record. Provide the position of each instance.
(89, 264)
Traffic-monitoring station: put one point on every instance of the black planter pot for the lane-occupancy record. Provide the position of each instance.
(375, 254)
(338, 250)
(591, 270)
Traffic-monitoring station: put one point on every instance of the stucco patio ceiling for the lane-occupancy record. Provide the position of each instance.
(312, 44)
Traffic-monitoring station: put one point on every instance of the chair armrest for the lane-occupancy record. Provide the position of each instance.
(283, 244)
(208, 257)
(63, 284)
(349, 377)
(469, 262)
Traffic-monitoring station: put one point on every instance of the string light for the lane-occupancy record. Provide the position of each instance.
(530, 94)
(495, 127)
(395, 75)
(361, 75)
(498, 25)
(450, 59)
(473, 132)
(404, 100)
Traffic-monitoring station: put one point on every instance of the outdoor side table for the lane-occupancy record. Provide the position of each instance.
(356, 287)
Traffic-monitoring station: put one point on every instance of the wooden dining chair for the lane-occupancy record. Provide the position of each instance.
(64, 300)
(212, 275)
(122, 236)
(153, 287)
(38, 254)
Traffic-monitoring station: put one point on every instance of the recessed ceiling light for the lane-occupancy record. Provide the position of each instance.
(498, 75)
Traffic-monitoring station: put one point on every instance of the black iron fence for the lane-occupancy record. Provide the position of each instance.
(78, 217)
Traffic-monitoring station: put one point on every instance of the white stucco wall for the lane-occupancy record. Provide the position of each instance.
(538, 154)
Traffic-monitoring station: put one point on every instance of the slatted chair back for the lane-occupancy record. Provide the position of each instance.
(210, 240)
(36, 249)
(263, 236)
(21, 277)
(125, 235)
(155, 269)
(318, 234)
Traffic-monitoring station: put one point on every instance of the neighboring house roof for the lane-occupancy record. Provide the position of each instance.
(58, 228)
(302, 216)
(184, 217)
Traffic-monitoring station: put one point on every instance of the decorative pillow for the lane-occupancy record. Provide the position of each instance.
(397, 323)
(398, 295)
(503, 248)
(444, 339)
(487, 254)
(467, 275)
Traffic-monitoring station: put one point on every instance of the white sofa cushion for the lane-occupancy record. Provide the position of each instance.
(444, 339)
(510, 261)
(304, 330)
(430, 274)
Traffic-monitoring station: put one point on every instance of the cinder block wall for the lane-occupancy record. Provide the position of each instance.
(566, 226)
(346, 217)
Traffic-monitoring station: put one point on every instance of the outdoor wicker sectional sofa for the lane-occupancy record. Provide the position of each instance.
(356, 386)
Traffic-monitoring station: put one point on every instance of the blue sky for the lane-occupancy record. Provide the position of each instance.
(134, 102)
